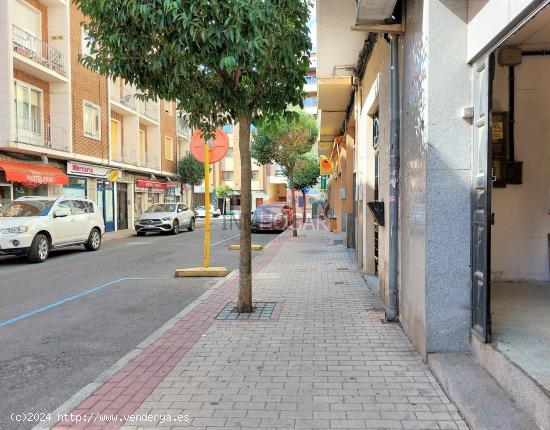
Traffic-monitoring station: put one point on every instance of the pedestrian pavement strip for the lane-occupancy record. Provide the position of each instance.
(325, 360)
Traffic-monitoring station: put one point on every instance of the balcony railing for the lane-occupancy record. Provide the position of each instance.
(150, 110)
(182, 126)
(124, 96)
(125, 155)
(35, 133)
(150, 161)
(34, 49)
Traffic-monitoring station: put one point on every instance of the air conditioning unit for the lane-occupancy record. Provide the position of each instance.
(380, 16)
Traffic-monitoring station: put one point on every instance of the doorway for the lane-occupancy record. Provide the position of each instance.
(6, 194)
(511, 200)
(106, 203)
(122, 206)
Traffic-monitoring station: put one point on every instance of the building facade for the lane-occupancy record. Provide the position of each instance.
(438, 110)
(107, 145)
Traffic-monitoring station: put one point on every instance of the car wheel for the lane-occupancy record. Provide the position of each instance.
(191, 225)
(175, 227)
(141, 233)
(40, 249)
(94, 240)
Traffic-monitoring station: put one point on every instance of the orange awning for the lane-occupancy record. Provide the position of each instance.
(33, 174)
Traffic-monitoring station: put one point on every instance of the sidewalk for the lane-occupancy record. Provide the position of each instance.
(322, 359)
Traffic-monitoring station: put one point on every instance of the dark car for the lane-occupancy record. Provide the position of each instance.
(269, 217)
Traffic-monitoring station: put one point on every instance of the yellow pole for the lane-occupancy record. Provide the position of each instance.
(206, 204)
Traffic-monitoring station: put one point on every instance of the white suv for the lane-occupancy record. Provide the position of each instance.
(165, 217)
(32, 226)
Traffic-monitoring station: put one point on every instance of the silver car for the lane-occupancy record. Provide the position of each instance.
(165, 217)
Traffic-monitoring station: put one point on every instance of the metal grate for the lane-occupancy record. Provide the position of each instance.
(262, 311)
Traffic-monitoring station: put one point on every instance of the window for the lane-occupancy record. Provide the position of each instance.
(169, 148)
(92, 126)
(27, 23)
(168, 108)
(229, 152)
(310, 102)
(310, 80)
(227, 176)
(116, 140)
(80, 207)
(255, 175)
(28, 108)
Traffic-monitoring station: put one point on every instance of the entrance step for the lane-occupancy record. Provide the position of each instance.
(522, 388)
(478, 397)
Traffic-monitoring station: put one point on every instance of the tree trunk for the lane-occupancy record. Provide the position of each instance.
(304, 215)
(244, 303)
(192, 197)
(293, 194)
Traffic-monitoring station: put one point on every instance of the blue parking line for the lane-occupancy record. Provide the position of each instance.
(13, 320)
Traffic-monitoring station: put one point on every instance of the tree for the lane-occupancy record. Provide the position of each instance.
(191, 172)
(221, 61)
(306, 175)
(285, 140)
(224, 192)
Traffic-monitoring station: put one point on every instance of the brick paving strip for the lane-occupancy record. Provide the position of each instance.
(324, 359)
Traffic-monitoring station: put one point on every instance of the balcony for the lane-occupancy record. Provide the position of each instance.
(37, 57)
(182, 126)
(123, 96)
(49, 136)
(149, 110)
(149, 161)
(125, 155)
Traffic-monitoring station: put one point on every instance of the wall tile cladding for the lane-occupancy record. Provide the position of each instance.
(92, 87)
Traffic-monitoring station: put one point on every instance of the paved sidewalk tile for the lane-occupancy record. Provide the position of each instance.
(326, 360)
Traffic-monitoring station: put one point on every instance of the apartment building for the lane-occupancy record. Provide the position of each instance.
(66, 130)
(435, 114)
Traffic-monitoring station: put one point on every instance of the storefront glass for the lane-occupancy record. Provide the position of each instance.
(20, 190)
(105, 201)
(76, 187)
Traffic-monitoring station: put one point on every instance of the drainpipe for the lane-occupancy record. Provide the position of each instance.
(393, 307)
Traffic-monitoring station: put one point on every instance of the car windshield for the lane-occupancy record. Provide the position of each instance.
(268, 210)
(161, 208)
(27, 208)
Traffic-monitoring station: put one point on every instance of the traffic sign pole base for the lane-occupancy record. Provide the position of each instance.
(253, 247)
(203, 272)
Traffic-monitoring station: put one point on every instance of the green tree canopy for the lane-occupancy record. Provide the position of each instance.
(221, 61)
(285, 140)
(306, 174)
(191, 172)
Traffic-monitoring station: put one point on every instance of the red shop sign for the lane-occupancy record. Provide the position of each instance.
(151, 184)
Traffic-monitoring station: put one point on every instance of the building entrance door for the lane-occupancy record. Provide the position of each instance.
(122, 206)
(481, 197)
(105, 201)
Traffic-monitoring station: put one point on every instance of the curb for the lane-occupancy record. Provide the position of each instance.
(89, 389)
(76, 399)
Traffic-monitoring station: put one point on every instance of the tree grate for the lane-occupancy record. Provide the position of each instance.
(262, 311)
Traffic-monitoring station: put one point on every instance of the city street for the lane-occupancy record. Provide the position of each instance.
(64, 322)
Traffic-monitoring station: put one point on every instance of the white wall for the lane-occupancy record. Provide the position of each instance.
(522, 212)
(486, 18)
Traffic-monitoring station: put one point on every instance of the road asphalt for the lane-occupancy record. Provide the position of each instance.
(64, 322)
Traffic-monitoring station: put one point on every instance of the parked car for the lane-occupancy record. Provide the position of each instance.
(165, 217)
(269, 217)
(201, 213)
(33, 226)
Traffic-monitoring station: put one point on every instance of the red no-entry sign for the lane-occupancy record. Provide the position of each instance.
(218, 146)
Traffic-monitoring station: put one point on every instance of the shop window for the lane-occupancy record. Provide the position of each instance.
(75, 188)
(92, 115)
(20, 190)
(169, 148)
